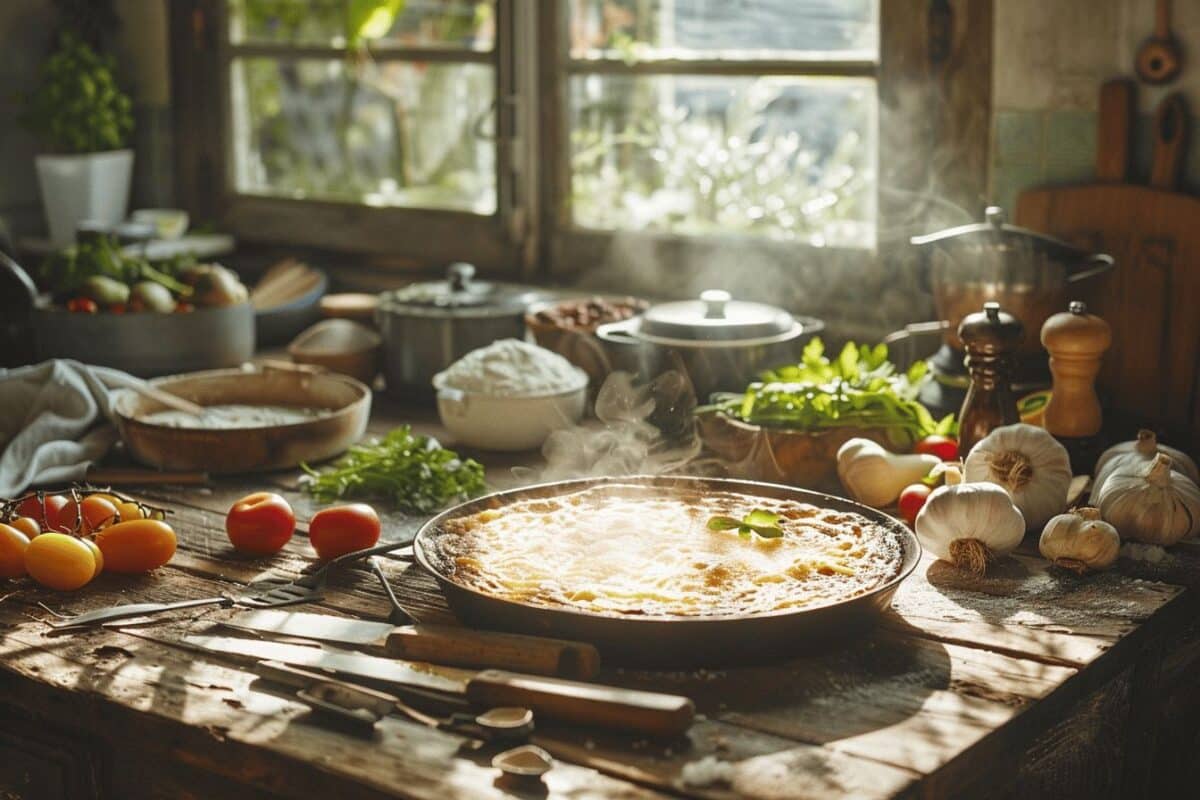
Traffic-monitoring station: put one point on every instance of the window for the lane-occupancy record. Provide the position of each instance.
(529, 132)
(724, 117)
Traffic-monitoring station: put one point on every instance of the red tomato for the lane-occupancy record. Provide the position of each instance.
(27, 525)
(117, 308)
(912, 499)
(96, 513)
(82, 305)
(45, 511)
(343, 529)
(13, 544)
(260, 523)
(944, 447)
(183, 308)
(139, 545)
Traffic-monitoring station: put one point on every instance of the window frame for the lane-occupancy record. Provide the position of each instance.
(205, 180)
(933, 80)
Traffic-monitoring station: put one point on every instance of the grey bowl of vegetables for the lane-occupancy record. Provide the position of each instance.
(104, 304)
(787, 426)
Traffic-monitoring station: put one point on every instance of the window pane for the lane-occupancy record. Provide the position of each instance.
(786, 157)
(389, 133)
(469, 24)
(737, 29)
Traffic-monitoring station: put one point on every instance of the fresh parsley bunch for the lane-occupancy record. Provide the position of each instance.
(415, 472)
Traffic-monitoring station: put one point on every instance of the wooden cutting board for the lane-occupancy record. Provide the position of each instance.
(1152, 298)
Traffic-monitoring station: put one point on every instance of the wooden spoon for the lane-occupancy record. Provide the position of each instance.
(1159, 59)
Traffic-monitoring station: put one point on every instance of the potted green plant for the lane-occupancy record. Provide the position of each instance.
(83, 122)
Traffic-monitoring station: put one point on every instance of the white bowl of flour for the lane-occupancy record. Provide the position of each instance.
(509, 396)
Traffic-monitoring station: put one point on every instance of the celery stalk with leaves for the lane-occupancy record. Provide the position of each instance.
(860, 388)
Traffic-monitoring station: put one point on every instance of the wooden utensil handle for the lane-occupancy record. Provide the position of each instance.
(1162, 19)
(1115, 129)
(1170, 139)
(465, 647)
(650, 713)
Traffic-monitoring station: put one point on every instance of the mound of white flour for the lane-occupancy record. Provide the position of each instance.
(512, 368)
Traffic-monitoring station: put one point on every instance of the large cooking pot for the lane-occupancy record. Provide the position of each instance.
(683, 641)
(146, 344)
(1026, 272)
(722, 343)
(428, 326)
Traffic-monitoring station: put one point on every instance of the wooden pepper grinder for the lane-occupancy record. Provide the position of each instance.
(1076, 341)
(991, 338)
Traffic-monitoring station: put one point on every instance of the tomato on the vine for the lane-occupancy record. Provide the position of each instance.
(44, 511)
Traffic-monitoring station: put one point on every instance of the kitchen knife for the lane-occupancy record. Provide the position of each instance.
(437, 644)
(572, 702)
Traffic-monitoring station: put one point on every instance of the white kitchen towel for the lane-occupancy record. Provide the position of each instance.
(55, 420)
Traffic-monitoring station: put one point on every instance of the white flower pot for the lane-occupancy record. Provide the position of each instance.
(92, 186)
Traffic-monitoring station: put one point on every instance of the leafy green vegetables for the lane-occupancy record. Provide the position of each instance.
(69, 269)
(759, 521)
(414, 471)
(860, 388)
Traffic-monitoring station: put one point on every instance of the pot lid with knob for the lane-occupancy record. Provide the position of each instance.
(459, 294)
(716, 316)
(996, 236)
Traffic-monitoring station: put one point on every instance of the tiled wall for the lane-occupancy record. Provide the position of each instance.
(1051, 56)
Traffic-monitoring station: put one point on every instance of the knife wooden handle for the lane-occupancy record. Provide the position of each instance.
(465, 647)
(590, 704)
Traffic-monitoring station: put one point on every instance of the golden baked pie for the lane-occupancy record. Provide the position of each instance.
(624, 549)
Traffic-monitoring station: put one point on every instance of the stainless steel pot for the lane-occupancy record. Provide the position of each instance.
(992, 261)
(721, 343)
(428, 326)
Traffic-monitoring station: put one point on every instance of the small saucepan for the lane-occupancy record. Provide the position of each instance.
(721, 343)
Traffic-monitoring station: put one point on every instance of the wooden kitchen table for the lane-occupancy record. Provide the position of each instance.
(1029, 682)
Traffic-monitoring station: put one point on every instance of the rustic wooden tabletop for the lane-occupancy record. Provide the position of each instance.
(1027, 682)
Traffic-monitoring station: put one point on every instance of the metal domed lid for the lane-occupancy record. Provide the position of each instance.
(459, 292)
(715, 316)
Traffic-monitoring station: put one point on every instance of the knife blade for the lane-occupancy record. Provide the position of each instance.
(572, 702)
(437, 644)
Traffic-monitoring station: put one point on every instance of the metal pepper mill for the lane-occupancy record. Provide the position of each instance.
(991, 338)
(1076, 341)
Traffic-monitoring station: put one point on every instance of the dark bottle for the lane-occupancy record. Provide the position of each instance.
(991, 338)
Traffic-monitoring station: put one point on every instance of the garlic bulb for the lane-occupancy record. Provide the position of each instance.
(1149, 502)
(1142, 449)
(1029, 463)
(970, 525)
(1080, 541)
(876, 477)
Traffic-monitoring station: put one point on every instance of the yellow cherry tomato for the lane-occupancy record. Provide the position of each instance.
(139, 545)
(28, 526)
(96, 554)
(129, 510)
(59, 561)
(13, 544)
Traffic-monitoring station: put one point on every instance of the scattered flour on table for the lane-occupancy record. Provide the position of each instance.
(1150, 553)
(707, 771)
(512, 368)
